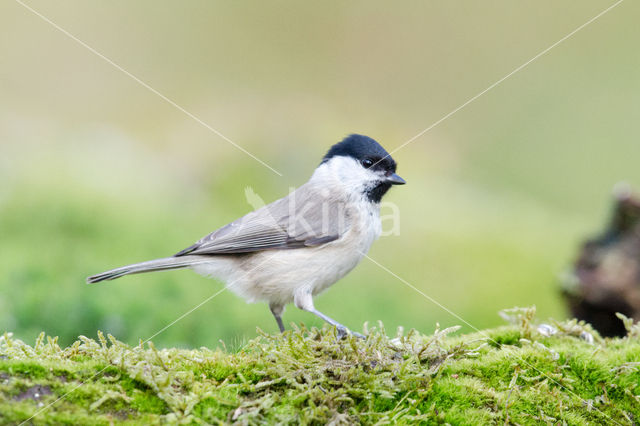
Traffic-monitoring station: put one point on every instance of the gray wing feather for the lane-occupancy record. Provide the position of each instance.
(302, 219)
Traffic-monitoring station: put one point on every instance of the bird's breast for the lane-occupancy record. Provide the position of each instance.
(338, 258)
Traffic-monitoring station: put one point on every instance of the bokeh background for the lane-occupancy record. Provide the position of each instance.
(96, 171)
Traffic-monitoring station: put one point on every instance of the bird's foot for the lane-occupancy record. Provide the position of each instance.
(343, 331)
(358, 335)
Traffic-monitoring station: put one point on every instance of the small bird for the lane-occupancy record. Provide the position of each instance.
(297, 246)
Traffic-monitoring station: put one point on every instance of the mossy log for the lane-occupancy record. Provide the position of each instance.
(562, 373)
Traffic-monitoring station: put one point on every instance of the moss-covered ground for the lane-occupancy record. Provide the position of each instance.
(522, 373)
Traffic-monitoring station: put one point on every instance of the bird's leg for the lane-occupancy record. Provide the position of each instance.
(304, 300)
(277, 311)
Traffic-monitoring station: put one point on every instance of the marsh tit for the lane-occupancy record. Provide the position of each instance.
(298, 246)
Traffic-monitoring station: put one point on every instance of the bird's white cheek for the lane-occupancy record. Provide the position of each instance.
(347, 174)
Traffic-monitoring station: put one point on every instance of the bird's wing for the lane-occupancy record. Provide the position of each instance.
(302, 219)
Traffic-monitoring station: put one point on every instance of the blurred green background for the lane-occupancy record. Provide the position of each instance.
(97, 171)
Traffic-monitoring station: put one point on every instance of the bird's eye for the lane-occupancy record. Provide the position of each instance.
(367, 163)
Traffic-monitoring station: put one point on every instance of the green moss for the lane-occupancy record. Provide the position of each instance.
(24, 368)
(214, 408)
(504, 336)
(511, 374)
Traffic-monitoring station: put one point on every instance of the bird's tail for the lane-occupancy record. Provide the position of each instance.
(164, 264)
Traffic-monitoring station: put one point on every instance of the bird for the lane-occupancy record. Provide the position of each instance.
(296, 247)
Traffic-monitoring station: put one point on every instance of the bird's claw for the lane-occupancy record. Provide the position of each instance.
(358, 335)
(343, 331)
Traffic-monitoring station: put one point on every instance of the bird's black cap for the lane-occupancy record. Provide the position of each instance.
(360, 147)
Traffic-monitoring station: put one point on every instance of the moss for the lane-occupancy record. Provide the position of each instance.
(504, 336)
(23, 368)
(512, 374)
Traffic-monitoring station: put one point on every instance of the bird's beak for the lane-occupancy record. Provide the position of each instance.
(394, 179)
